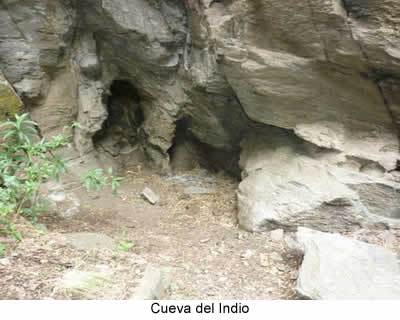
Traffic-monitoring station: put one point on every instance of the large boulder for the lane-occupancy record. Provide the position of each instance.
(288, 182)
(325, 72)
(326, 76)
(304, 102)
(335, 267)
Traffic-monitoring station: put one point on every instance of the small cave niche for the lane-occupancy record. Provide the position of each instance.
(214, 3)
(188, 152)
(125, 116)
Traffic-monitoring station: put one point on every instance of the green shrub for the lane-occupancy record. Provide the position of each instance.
(95, 179)
(26, 162)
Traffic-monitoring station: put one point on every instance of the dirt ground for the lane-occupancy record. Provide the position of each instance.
(195, 235)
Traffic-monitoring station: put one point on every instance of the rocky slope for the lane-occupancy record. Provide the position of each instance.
(306, 93)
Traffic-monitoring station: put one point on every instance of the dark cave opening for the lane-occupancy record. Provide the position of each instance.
(178, 159)
(125, 116)
(188, 152)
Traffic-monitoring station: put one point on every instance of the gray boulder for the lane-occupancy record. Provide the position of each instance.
(327, 78)
(154, 284)
(335, 267)
(288, 182)
(90, 241)
(59, 201)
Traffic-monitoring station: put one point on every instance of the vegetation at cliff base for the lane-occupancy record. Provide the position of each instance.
(27, 161)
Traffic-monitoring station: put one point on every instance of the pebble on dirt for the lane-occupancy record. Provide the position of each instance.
(5, 262)
(154, 284)
(150, 196)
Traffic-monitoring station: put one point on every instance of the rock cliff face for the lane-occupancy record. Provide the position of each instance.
(306, 92)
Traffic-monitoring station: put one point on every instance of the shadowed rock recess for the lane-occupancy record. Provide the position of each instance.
(305, 93)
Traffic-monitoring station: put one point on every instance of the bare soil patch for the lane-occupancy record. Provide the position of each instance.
(197, 236)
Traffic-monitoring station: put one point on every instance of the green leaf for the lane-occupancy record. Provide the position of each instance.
(125, 246)
(16, 235)
(27, 161)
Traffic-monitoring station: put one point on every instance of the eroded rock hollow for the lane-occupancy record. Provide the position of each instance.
(306, 93)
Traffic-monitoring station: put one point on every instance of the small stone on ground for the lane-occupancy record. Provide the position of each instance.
(89, 241)
(150, 195)
(154, 284)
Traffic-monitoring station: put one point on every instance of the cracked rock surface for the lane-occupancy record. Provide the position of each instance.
(306, 92)
(335, 267)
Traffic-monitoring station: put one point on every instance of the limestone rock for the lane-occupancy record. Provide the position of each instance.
(91, 116)
(150, 195)
(294, 247)
(89, 240)
(391, 91)
(289, 183)
(90, 67)
(273, 75)
(154, 284)
(335, 267)
(327, 77)
(57, 200)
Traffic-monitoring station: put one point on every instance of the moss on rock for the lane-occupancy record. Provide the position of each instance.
(10, 103)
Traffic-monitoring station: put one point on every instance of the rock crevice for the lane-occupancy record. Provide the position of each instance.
(301, 80)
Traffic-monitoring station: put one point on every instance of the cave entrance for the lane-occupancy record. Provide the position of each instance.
(188, 152)
(125, 116)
